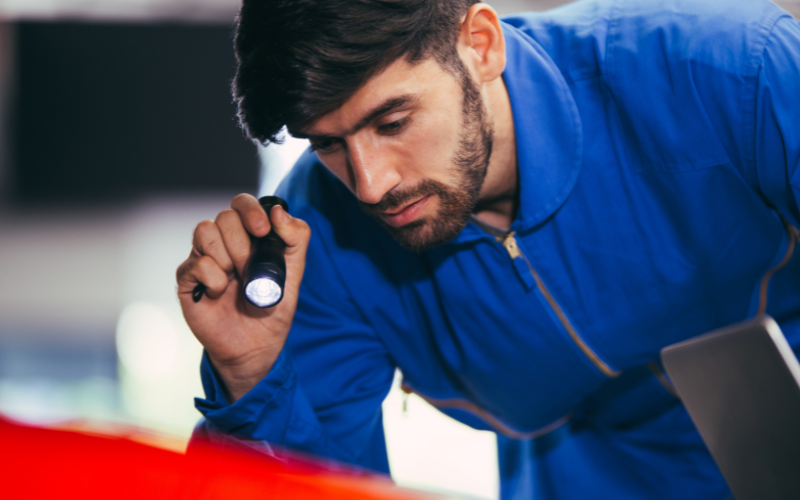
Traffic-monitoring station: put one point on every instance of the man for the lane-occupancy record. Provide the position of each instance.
(561, 196)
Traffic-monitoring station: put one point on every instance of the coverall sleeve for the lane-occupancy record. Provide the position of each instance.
(777, 119)
(323, 395)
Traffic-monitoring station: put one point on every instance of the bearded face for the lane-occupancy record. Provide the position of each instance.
(413, 145)
(457, 199)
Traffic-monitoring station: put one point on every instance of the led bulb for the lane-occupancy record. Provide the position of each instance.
(263, 292)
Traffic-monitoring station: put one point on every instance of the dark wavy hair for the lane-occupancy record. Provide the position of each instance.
(298, 60)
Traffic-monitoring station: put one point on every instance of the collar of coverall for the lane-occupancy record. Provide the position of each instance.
(548, 132)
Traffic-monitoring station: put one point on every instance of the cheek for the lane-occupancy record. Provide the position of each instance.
(433, 145)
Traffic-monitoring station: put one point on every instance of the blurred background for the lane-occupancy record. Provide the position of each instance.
(118, 135)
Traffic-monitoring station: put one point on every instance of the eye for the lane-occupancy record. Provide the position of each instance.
(324, 145)
(393, 127)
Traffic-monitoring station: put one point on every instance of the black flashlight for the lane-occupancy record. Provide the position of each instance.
(265, 271)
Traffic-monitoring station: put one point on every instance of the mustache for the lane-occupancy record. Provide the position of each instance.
(396, 199)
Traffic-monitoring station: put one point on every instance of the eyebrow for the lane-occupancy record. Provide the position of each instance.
(386, 106)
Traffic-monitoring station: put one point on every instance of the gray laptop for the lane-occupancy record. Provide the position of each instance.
(741, 386)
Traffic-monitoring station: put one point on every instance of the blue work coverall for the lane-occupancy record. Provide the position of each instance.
(657, 140)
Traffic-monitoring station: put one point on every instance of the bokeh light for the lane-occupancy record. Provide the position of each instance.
(147, 341)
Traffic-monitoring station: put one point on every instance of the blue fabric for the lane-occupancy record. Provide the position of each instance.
(654, 139)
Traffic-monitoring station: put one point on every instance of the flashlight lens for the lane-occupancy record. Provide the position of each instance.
(263, 292)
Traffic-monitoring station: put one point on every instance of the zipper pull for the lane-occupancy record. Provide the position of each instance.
(406, 391)
(518, 260)
(510, 244)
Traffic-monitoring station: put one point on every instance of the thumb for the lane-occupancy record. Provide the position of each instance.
(293, 231)
(296, 234)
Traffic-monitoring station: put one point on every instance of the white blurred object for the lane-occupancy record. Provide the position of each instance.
(147, 341)
(160, 357)
(47, 401)
(277, 160)
(431, 451)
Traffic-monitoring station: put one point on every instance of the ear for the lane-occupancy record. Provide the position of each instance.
(481, 44)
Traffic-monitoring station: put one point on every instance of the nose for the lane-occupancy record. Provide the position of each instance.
(373, 170)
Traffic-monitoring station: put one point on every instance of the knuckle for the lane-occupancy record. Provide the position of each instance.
(205, 264)
(240, 252)
(182, 269)
(204, 230)
(240, 199)
(205, 226)
(212, 246)
(227, 216)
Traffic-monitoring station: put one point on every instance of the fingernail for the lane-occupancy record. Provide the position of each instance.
(282, 215)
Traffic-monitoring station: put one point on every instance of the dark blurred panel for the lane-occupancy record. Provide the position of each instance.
(109, 110)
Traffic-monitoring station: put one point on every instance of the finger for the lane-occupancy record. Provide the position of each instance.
(252, 214)
(296, 234)
(207, 240)
(293, 231)
(203, 270)
(234, 237)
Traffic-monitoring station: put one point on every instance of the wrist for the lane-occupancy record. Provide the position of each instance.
(241, 375)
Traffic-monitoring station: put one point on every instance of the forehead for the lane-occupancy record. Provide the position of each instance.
(399, 79)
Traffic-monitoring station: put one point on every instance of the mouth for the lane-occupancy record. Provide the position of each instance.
(405, 214)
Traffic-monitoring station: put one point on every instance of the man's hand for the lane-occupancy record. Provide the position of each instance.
(242, 341)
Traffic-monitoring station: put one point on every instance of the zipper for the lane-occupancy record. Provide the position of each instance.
(794, 236)
(511, 246)
(493, 422)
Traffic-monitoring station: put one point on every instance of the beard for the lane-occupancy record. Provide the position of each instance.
(469, 165)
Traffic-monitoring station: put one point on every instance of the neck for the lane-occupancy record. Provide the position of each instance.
(498, 199)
